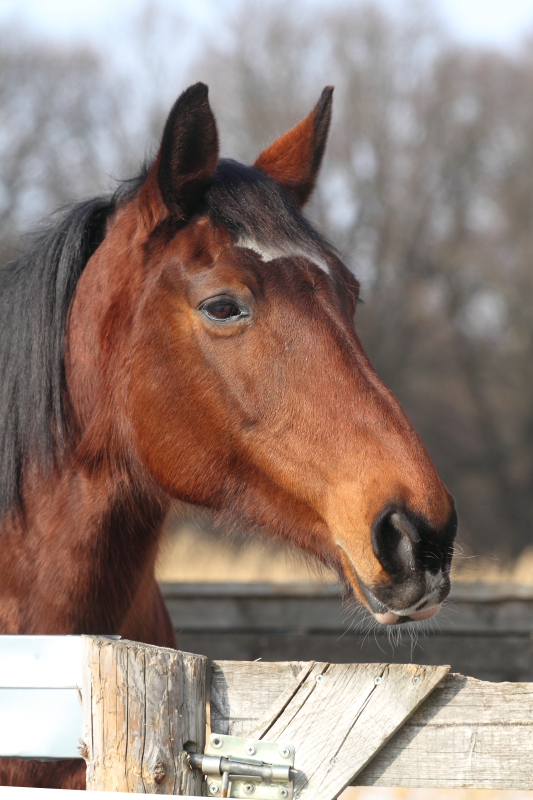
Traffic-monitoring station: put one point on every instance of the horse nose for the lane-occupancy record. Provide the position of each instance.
(416, 557)
(395, 538)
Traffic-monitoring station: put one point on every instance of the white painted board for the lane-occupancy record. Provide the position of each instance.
(40, 723)
(40, 700)
(52, 662)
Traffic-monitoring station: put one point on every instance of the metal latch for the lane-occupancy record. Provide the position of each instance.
(246, 768)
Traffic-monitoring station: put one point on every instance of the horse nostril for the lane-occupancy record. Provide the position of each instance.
(406, 527)
(394, 539)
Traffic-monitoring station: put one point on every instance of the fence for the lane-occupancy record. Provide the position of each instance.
(143, 711)
(485, 631)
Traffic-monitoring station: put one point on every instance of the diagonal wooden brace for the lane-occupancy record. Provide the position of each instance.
(339, 716)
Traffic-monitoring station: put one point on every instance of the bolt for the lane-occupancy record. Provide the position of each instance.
(216, 741)
(334, 762)
(283, 792)
(249, 788)
(250, 749)
(285, 751)
(378, 679)
(319, 678)
(214, 788)
(416, 680)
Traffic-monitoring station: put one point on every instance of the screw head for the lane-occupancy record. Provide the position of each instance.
(319, 678)
(249, 788)
(250, 749)
(216, 741)
(285, 751)
(334, 762)
(416, 680)
(378, 679)
(283, 792)
(214, 788)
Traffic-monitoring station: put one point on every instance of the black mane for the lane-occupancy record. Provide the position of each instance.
(36, 291)
(35, 295)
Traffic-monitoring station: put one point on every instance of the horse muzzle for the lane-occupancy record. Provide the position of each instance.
(413, 560)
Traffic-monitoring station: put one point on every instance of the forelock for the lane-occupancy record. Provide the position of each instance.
(259, 213)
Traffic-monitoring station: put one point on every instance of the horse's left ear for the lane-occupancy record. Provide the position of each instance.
(187, 157)
(294, 159)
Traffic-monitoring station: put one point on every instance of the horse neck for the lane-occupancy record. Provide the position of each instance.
(83, 557)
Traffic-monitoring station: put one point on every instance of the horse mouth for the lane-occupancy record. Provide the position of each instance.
(425, 608)
(395, 618)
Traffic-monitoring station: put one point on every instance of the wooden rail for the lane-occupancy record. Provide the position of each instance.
(467, 734)
(484, 631)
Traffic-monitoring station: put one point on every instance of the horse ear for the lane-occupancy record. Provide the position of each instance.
(294, 159)
(189, 150)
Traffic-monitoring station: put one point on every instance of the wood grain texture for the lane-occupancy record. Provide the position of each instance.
(338, 716)
(142, 705)
(468, 734)
(242, 691)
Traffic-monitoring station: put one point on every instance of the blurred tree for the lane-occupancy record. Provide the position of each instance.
(56, 141)
(428, 190)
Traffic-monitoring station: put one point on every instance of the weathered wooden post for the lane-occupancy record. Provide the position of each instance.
(143, 707)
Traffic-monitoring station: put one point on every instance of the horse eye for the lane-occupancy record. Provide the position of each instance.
(222, 310)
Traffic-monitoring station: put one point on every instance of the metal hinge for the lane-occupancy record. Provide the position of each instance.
(246, 768)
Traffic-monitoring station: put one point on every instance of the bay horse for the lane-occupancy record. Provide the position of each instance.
(192, 339)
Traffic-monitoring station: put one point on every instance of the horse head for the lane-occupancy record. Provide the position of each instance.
(211, 345)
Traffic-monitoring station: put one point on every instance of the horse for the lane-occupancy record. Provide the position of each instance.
(191, 340)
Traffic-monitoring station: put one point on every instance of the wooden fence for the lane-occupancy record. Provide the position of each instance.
(143, 708)
(484, 631)
(138, 715)
(351, 724)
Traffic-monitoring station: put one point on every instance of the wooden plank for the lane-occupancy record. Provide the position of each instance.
(142, 705)
(468, 734)
(486, 632)
(242, 691)
(486, 658)
(468, 592)
(338, 716)
(309, 608)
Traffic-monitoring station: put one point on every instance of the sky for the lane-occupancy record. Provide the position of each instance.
(499, 22)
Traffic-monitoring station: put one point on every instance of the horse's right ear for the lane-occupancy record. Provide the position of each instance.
(294, 159)
(188, 154)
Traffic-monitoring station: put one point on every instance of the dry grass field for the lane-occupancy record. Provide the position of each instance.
(192, 554)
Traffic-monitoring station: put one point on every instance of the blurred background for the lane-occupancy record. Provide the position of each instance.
(427, 186)
(426, 189)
